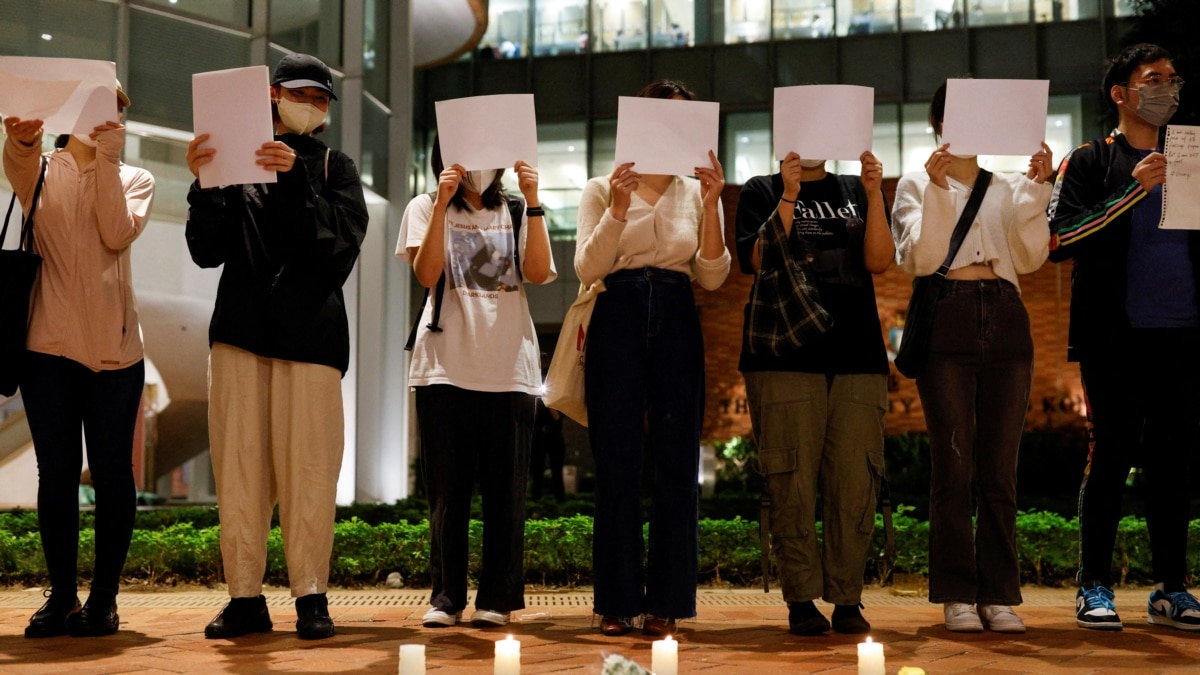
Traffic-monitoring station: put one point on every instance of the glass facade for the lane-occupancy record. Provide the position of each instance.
(673, 23)
(793, 19)
(746, 21)
(560, 27)
(619, 25)
(309, 26)
(228, 12)
(507, 35)
(748, 149)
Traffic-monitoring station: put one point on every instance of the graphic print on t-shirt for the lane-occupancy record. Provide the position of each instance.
(833, 232)
(482, 258)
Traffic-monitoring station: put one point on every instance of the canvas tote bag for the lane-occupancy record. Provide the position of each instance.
(564, 382)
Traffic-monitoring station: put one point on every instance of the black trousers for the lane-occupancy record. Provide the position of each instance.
(469, 436)
(61, 396)
(1143, 402)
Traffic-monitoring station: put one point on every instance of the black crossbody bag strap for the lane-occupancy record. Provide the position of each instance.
(26, 240)
(982, 181)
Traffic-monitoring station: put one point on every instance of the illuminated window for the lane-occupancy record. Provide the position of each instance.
(803, 19)
(747, 21)
(672, 23)
(748, 150)
(619, 25)
(560, 27)
(507, 35)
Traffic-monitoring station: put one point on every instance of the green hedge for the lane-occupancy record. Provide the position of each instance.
(558, 552)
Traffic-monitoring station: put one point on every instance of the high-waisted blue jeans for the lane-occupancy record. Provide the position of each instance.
(645, 387)
(975, 392)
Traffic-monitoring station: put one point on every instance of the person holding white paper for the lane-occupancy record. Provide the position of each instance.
(1135, 325)
(280, 346)
(817, 413)
(648, 237)
(84, 367)
(476, 374)
(975, 388)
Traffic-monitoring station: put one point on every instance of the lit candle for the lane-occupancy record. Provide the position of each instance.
(870, 658)
(508, 657)
(412, 659)
(665, 659)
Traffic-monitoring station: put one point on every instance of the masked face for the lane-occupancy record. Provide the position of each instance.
(300, 118)
(478, 181)
(812, 163)
(1157, 103)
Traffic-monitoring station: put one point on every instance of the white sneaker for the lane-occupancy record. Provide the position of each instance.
(486, 618)
(436, 618)
(961, 618)
(1001, 619)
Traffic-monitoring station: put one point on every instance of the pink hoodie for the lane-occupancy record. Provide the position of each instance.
(83, 307)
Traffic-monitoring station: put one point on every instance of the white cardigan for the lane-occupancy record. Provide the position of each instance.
(1011, 232)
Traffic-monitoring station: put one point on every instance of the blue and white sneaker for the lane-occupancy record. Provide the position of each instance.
(1094, 608)
(1178, 610)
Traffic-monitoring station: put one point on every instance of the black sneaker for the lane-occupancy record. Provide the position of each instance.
(312, 617)
(805, 619)
(847, 619)
(97, 618)
(51, 619)
(241, 616)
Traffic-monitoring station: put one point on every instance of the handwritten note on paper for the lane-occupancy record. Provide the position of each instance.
(665, 136)
(1181, 192)
(487, 132)
(234, 108)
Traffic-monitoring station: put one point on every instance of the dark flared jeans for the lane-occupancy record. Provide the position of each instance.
(645, 389)
(1143, 408)
(470, 437)
(975, 392)
(61, 396)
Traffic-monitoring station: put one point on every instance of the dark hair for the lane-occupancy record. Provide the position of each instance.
(937, 107)
(667, 89)
(493, 196)
(60, 141)
(1120, 68)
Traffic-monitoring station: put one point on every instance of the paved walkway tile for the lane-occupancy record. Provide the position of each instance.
(737, 631)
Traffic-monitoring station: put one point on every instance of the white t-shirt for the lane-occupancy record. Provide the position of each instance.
(487, 342)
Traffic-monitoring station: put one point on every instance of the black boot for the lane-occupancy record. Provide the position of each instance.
(240, 617)
(848, 620)
(805, 619)
(312, 617)
(98, 616)
(51, 619)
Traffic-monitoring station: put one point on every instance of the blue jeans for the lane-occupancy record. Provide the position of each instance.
(645, 385)
(975, 392)
(61, 396)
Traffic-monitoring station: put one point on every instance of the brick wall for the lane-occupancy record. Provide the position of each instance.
(1056, 397)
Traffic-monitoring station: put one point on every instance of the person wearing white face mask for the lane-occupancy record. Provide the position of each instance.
(975, 387)
(1135, 324)
(476, 374)
(83, 368)
(817, 411)
(280, 346)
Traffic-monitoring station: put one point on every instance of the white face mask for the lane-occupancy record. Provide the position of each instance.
(85, 139)
(812, 163)
(478, 181)
(300, 118)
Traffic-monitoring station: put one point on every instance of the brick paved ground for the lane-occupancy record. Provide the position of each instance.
(738, 631)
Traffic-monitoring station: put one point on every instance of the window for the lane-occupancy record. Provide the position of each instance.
(560, 27)
(885, 144)
(229, 12)
(1123, 7)
(673, 23)
(619, 24)
(311, 27)
(748, 147)
(562, 173)
(376, 21)
(747, 21)
(917, 15)
(999, 12)
(802, 19)
(604, 147)
(507, 35)
(863, 17)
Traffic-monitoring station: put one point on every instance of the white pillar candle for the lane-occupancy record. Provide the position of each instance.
(412, 659)
(665, 659)
(870, 658)
(508, 657)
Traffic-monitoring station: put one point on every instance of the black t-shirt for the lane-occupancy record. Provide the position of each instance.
(830, 225)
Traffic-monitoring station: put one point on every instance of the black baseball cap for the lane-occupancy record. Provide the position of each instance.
(303, 70)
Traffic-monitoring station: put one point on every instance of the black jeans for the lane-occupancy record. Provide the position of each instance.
(1142, 402)
(467, 436)
(61, 396)
(975, 392)
(645, 380)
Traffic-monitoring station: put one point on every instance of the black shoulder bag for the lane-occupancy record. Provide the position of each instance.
(516, 209)
(927, 290)
(18, 270)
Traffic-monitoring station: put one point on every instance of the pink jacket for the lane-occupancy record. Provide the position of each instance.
(83, 307)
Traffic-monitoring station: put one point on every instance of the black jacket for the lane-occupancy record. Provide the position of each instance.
(1091, 216)
(287, 249)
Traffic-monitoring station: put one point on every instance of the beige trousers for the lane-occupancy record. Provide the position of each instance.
(276, 433)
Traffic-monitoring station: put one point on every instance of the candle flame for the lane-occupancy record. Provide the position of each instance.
(868, 638)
